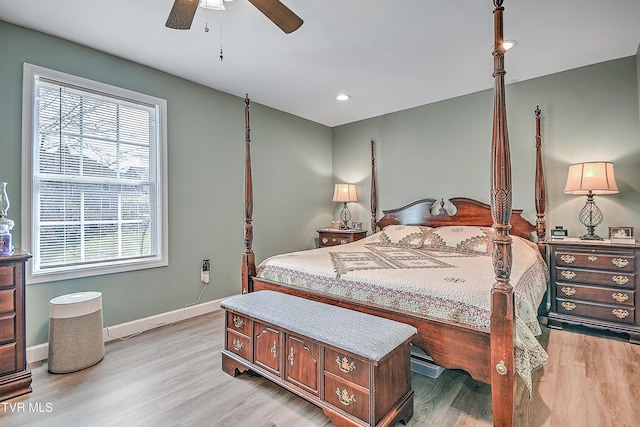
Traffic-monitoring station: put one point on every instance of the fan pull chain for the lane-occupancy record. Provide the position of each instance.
(221, 54)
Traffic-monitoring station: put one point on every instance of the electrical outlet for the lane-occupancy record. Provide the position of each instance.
(204, 272)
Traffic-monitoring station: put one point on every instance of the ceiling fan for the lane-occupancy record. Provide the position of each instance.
(183, 12)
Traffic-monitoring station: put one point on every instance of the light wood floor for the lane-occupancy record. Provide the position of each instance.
(171, 376)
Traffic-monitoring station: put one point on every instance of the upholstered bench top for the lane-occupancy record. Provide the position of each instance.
(368, 336)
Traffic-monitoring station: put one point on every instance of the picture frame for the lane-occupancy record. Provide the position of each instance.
(619, 232)
(357, 225)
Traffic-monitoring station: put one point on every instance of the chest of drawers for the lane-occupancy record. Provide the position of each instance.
(595, 285)
(15, 376)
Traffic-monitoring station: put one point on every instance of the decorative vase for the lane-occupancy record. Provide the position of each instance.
(6, 224)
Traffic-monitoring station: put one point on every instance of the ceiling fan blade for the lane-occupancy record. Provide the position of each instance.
(182, 13)
(279, 14)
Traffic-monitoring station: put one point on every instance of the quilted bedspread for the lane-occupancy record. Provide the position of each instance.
(445, 273)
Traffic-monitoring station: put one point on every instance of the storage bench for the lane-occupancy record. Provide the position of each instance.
(354, 366)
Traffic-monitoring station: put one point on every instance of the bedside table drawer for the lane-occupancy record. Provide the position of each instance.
(602, 295)
(626, 315)
(607, 278)
(334, 240)
(617, 262)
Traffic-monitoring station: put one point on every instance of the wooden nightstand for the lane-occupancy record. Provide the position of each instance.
(333, 237)
(595, 285)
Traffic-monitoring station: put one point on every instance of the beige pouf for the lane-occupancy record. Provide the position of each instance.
(75, 332)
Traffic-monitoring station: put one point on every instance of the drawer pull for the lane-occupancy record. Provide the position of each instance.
(592, 258)
(568, 305)
(620, 280)
(344, 365)
(343, 241)
(344, 398)
(620, 297)
(620, 313)
(501, 368)
(325, 240)
(568, 291)
(291, 357)
(238, 321)
(568, 274)
(620, 262)
(274, 349)
(568, 258)
(237, 344)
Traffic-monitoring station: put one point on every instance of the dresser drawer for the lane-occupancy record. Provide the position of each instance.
(626, 315)
(6, 275)
(7, 328)
(595, 294)
(616, 262)
(347, 396)
(7, 301)
(345, 366)
(334, 240)
(238, 323)
(607, 278)
(239, 344)
(8, 358)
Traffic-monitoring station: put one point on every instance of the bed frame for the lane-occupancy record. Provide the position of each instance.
(487, 357)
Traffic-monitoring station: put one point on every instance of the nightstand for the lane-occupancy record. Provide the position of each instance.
(594, 284)
(333, 237)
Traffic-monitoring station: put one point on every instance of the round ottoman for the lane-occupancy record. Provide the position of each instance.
(75, 332)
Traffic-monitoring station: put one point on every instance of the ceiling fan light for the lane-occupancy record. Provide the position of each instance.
(212, 4)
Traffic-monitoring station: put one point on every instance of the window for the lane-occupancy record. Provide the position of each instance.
(94, 177)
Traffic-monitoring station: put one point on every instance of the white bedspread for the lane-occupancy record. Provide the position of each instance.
(446, 273)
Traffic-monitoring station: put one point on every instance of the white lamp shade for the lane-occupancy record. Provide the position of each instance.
(345, 193)
(594, 177)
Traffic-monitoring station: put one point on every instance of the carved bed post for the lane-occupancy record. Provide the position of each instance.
(374, 189)
(540, 192)
(248, 257)
(502, 299)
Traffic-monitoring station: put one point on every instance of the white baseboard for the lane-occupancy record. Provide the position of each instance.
(40, 352)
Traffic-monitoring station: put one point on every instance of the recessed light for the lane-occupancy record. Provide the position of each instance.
(343, 97)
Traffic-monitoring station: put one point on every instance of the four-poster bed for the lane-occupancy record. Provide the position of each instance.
(486, 352)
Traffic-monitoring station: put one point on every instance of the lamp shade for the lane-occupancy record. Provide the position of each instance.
(345, 193)
(591, 177)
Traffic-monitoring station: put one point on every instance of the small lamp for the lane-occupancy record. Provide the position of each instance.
(345, 193)
(591, 178)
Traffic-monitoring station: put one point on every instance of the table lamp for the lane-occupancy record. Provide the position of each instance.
(591, 178)
(345, 193)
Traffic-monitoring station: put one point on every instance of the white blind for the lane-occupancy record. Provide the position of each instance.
(95, 182)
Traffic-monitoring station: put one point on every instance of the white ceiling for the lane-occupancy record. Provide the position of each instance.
(388, 55)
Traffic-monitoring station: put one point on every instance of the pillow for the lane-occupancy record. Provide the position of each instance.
(467, 238)
(410, 236)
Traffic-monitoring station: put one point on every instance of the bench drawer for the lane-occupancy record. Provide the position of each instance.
(347, 396)
(239, 344)
(345, 366)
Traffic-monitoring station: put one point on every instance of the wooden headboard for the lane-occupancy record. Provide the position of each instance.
(468, 212)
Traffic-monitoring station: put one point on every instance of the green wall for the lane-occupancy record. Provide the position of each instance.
(292, 156)
(443, 149)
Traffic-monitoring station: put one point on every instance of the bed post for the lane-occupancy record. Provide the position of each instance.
(374, 190)
(248, 257)
(502, 335)
(540, 192)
